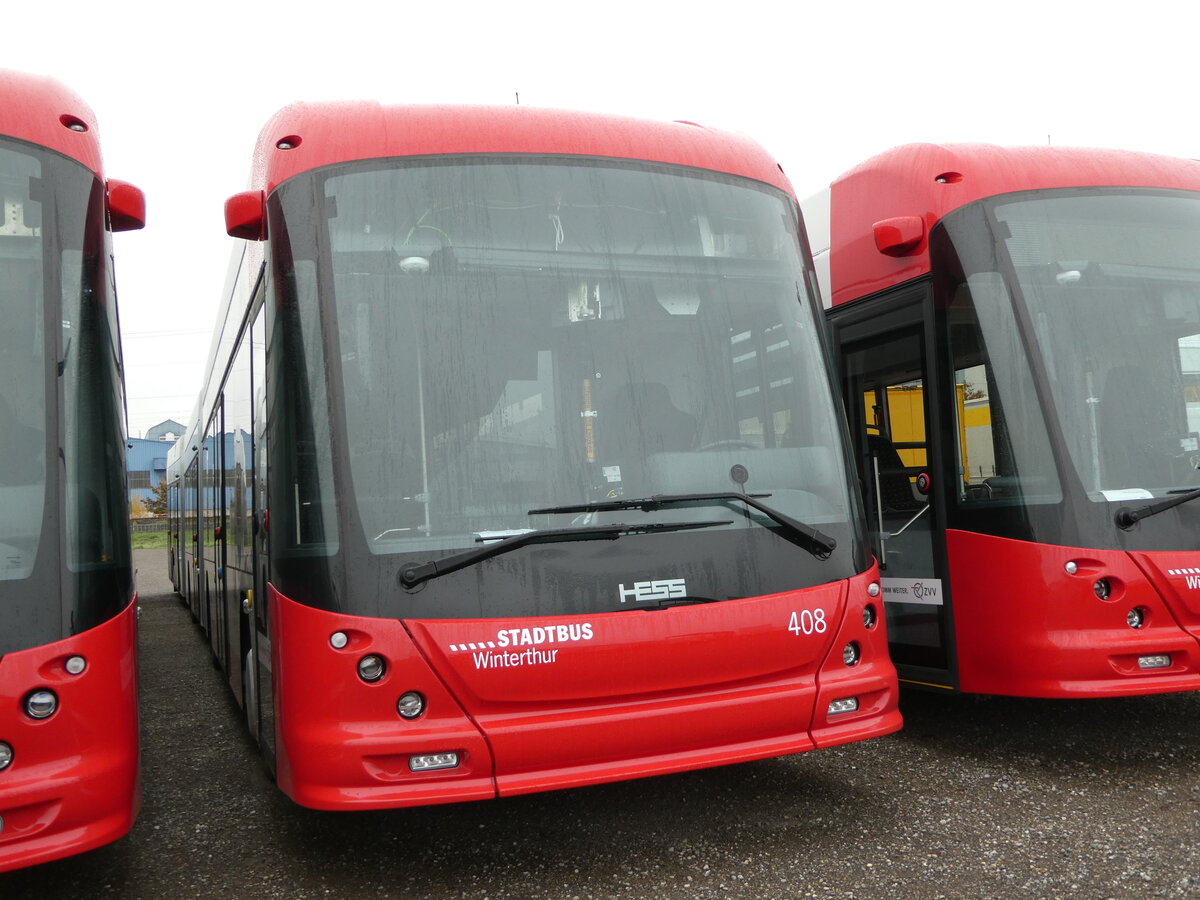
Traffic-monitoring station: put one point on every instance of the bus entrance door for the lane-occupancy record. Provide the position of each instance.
(889, 403)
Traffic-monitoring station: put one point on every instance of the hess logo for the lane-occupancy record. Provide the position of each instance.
(644, 591)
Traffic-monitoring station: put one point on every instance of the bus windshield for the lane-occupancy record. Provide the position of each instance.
(1108, 284)
(22, 365)
(503, 336)
(61, 401)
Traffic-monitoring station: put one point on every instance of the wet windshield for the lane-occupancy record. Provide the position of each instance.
(22, 367)
(1110, 283)
(519, 335)
(64, 532)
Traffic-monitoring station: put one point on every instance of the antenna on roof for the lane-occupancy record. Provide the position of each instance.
(517, 94)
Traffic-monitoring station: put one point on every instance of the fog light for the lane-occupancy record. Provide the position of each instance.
(410, 705)
(1102, 588)
(432, 761)
(847, 704)
(850, 654)
(869, 616)
(338, 640)
(6, 756)
(371, 668)
(76, 664)
(1155, 661)
(1136, 617)
(41, 704)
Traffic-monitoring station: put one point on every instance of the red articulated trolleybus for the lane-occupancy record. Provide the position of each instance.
(1019, 336)
(519, 465)
(69, 776)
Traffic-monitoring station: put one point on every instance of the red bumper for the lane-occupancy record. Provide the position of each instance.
(74, 782)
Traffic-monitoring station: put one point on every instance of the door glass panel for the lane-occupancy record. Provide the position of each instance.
(890, 433)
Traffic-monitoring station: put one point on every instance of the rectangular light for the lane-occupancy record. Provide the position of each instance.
(431, 761)
(1156, 661)
(846, 704)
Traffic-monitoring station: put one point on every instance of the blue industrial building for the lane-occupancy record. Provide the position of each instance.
(146, 458)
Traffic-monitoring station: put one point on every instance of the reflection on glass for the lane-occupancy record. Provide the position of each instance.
(521, 335)
(1108, 283)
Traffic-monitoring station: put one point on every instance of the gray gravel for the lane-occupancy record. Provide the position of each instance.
(977, 797)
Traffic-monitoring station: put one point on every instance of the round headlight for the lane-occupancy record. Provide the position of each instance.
(869, 615)
(6, 756)
(1102, 588)
(1136, 617)
(410, 705)
(371, 668)
(41, 704)
(850, 654)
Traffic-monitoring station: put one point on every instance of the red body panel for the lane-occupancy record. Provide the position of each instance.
(74, 782)
(321, 134)
(546, 703)
(38, 110)
(1028, 628)
(929, 181)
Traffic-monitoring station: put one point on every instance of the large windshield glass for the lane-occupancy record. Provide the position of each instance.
(22, 365)
(1107, 282)
(504, 336)
(64, 535)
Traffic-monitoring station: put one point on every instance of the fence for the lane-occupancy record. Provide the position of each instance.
(148, 523)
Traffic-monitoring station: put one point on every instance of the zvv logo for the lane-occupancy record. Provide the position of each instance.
(643, 591)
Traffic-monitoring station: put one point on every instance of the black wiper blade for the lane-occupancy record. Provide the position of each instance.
(1126, 518)
(816, 542)
(414, 574)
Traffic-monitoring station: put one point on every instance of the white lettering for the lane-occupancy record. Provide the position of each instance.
(808, 621)
(509, 660)
(647, 591)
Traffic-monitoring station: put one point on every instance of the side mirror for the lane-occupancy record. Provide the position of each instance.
(245, 216)
(126, 206)
(900, 236)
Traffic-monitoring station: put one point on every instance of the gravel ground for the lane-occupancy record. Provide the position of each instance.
(977, 797)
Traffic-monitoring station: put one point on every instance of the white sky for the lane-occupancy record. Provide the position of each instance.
(181, 90)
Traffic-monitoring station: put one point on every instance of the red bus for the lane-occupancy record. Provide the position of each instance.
(69, 776)
(1018, 332)
(519, 466)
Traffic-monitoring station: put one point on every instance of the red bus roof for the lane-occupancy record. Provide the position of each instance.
(321, 134)
(930, 180)
(41, 111)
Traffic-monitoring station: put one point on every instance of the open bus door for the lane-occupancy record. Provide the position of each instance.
(888, 380)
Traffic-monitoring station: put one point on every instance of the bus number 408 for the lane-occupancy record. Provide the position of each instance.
(808, 622)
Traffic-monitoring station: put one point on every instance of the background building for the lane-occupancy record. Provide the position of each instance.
(146, 459)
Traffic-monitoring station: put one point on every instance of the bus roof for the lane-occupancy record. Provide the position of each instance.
(320, 134)
(41, 111)
(927, 181)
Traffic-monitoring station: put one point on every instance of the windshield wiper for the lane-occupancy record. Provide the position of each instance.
(416, 573)
(816, 542)
(1126, 518)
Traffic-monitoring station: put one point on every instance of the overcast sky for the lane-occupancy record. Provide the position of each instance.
(181, 90)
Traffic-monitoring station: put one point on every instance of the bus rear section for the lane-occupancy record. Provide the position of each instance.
(526, 468)
(69, 774)
(1019, 336)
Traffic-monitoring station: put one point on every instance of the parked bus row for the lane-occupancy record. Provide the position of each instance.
(522, 458)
